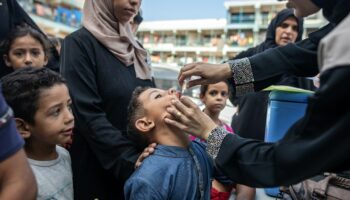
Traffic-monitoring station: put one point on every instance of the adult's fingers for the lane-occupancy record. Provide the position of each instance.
(175, 124)
(188, 102)
(179, 107)
(200, 81)
(185, 69)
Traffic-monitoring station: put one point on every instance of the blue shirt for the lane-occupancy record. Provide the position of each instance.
(172, 173)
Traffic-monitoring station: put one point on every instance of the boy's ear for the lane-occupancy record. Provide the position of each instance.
(144, 125)
(23, 128)
(6, 60)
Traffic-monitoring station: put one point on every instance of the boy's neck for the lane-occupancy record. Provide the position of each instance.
(170, 136)
(41, 152)
(214, 116)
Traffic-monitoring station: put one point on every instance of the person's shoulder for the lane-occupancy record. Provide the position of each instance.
(81, 32)
(81, 35)
(63, 153)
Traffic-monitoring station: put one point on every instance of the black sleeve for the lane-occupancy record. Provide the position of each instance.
(318, 142)
(114, 152)
(247, 53)
(264, 69)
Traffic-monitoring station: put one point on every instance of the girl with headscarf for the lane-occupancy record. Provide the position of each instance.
(103, 64)
(250, 119)
(317, 143)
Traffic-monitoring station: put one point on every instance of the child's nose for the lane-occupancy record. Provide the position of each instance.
(69, 118)
(171, 91)
(28, 59)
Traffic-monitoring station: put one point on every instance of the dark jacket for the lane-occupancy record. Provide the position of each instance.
(319, 141)
(100, 87)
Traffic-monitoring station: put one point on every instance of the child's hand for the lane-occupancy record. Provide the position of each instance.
(146, 152)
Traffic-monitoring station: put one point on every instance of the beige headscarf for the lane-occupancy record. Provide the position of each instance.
(334, 49)
(115, 36)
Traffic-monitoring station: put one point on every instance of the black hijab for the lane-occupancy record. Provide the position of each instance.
(281, 16)
(334, 10)
(12, 15)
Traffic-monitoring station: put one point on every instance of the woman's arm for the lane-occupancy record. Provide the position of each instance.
(261, 70)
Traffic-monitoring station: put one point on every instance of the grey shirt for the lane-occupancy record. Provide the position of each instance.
(54, 177)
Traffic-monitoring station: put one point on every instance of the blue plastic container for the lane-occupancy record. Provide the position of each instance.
(284, 109)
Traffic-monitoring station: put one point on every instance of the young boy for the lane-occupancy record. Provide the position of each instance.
(178, 169)
(42, 107)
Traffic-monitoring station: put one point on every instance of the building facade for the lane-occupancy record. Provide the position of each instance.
(177, 42)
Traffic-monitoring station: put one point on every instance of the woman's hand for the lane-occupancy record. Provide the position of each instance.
(188, 117)
(146, 152)
(208, 73)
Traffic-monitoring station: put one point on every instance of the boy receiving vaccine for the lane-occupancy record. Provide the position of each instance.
(178, 168)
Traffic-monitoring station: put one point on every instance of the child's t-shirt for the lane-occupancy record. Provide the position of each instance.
(54, 177)
(172, 173)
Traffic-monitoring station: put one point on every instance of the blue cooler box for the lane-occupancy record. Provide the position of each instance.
(284, 109)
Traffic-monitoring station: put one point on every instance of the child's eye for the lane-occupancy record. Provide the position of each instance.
(70, 107)
(213, 93)
(36, 53)
(55, 112)
(224, 94)
(18, 54)
(158, 96)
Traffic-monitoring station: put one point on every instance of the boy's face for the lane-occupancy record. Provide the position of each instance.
(156, 101)
(54, 120)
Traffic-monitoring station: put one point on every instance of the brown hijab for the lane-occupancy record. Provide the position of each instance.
(115, 36)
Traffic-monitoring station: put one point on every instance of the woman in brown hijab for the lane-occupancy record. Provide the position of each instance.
(103, 64)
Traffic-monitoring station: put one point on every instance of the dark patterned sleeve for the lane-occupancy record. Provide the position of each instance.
(264, 69)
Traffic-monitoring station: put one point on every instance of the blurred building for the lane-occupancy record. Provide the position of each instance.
(178, 42)
(55, 17)
(214, 40)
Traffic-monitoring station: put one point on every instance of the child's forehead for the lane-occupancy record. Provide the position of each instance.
(146, 95)
(218, 85)
(54, 90)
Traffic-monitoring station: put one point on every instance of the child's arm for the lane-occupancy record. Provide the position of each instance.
(244, 192)
(16, 178)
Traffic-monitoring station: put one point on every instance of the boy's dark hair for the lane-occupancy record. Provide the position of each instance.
(22, 89)
(204, 88)
(21, 31)
(135, 112)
